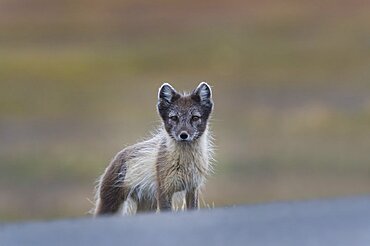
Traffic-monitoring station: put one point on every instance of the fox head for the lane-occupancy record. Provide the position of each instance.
(185, 117)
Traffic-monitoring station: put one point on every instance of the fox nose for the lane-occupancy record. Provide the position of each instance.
(184, 136)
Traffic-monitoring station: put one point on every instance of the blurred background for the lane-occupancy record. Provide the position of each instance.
(79, 80)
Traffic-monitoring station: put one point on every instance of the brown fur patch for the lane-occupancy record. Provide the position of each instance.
(111, 190)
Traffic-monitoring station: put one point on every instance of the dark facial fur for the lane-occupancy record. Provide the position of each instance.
(185, 116)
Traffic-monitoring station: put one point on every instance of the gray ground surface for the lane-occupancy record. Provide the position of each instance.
(344, 221)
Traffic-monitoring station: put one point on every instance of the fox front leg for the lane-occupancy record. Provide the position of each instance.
(164, 201)
(192, 199)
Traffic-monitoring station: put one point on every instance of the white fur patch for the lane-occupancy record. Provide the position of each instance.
(141, 172)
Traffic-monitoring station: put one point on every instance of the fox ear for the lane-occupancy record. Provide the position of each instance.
(202, 93)
(168, 93)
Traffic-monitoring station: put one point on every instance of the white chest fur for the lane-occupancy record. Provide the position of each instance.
(185, 167)
(187, 164)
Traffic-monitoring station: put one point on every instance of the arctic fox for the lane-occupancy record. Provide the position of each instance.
(177, 158)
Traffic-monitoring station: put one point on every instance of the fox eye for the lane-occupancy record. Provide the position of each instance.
(174, 118)
(195, 118)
